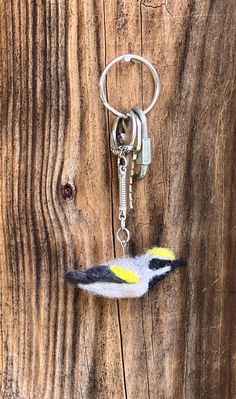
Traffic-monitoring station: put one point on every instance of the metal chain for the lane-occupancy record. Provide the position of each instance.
(123, 234)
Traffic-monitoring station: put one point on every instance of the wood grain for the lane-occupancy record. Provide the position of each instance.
(58, 199)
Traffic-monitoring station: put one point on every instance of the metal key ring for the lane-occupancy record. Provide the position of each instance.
(127, 58)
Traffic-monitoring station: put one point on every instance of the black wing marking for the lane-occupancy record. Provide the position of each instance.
(93, 275)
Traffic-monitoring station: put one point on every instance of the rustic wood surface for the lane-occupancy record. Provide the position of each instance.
(58, 204)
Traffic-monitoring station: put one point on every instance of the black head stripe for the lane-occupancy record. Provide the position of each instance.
(159, 263)
(179, 262)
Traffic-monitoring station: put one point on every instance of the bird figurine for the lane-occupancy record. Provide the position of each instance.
(127, 277)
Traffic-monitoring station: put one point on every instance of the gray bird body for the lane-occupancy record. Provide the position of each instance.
(125, 277)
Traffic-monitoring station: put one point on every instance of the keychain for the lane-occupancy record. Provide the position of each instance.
(128, 277)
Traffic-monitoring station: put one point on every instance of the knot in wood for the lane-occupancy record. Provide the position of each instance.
(67, 191)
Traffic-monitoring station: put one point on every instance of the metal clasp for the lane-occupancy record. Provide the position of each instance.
(125, 135)
(144, 156)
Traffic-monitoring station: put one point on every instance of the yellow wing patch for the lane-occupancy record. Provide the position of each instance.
(165, 253)
(129, 276)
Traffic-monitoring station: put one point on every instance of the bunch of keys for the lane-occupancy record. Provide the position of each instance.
(131, 144)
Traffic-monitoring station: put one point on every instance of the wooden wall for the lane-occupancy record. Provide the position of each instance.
(58, 204)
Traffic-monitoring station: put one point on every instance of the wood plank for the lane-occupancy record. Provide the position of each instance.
(58, 199)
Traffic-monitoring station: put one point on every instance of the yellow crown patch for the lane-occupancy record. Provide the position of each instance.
(165, 253)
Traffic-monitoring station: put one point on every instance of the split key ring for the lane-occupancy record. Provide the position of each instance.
(128, 58)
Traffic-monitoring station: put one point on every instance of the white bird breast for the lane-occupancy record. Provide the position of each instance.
(116, 290)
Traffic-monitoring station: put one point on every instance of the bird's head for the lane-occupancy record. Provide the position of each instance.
(161, 257)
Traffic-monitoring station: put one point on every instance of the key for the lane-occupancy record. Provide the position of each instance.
(137, 147)
(132, 129)
(126, 138)
(125, 142)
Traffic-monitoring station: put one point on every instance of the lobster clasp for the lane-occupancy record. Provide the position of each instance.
(144, 156)
(123, 135)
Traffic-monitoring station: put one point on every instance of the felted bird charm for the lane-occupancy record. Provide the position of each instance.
(127, 277)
